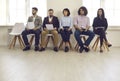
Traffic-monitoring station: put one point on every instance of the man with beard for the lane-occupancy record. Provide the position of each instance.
(37, 20)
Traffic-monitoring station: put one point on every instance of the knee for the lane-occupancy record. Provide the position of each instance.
(76, 34)
(24, 33)
(55, 33)
(37, 33)
(92, 34)
(43, 33)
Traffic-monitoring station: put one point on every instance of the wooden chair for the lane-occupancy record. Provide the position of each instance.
(16, 32)
(48, 38)
(95, 45)
(62, 42)
(83, 37)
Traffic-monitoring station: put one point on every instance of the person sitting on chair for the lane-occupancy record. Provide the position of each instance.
(50, 26)
(100, 25)
(66, 25)
(82, 25)
(37, 20)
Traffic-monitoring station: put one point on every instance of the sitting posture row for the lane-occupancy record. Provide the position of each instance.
(64, 26)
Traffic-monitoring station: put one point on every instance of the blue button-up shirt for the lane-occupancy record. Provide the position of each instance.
(66, 21)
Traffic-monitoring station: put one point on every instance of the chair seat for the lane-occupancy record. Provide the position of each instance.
(95, 45)
(49, 34)
(14, 33)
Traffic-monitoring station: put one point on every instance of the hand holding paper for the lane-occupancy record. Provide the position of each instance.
(30, 25)
(49, 26)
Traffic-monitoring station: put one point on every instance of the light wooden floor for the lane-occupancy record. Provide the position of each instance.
(16, 65)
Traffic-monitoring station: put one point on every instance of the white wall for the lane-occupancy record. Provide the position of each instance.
(59, 5)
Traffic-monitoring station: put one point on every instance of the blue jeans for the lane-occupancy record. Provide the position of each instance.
(65, 34)
(89, 33)
(27, 32)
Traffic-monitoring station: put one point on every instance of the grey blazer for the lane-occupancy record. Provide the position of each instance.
(37, 22)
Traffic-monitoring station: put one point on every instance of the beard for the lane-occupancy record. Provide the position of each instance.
(34, 13)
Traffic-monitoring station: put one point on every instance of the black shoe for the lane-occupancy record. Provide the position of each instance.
(81, 49)
(109, 45)
(101, 51)
(66, 49)
(42, 49)
(26, 48)
(55, 49)
(36, 48)
(86, 49)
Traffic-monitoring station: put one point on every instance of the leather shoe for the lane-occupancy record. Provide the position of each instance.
(42, 49)
(109, 45)
(66, 49)
(36, 48)
(86, 49)
(26, 48)
(55, 49)
(81, 49)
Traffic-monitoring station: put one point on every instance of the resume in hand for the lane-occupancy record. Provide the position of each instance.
(30, 25)
(49, 26)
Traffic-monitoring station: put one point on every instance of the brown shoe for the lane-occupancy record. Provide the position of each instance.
(109, 45)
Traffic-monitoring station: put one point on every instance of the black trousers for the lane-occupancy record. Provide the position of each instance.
(65, 34)
(101, 32)
(27, 32)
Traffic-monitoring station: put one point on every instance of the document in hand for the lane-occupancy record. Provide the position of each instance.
(30, 25)
(49, 26)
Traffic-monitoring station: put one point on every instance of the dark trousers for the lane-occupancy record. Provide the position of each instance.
(78, 38)
(27, 32)
(65, 34)
(101, 32)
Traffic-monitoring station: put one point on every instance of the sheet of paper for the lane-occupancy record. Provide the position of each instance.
(49, 26)
(30, 25)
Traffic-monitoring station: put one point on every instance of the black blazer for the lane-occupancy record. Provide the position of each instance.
(100, 23)
(55, 22)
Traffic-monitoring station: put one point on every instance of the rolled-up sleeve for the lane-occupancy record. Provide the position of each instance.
(71, 23)
(88, 21)
(75, 22)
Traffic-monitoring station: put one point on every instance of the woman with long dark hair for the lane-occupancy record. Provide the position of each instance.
(100, 26)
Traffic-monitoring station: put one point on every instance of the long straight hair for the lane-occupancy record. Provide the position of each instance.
(103, 13)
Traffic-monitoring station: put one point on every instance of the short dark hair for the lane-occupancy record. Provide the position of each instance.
(66, 9)
(84, 9)
(50, 10)
(35, 8)
(103, 13)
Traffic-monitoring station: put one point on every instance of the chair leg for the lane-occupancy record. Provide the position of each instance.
(48, 38)
(94, 44)
(70, 45)
(12, 41)
(97, 43)
(77, 46)
(84, 39)
(105, 44)
(53, 40)
(20, 42)
(61, 43)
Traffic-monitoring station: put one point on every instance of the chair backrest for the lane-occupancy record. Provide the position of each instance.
(18, 28)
